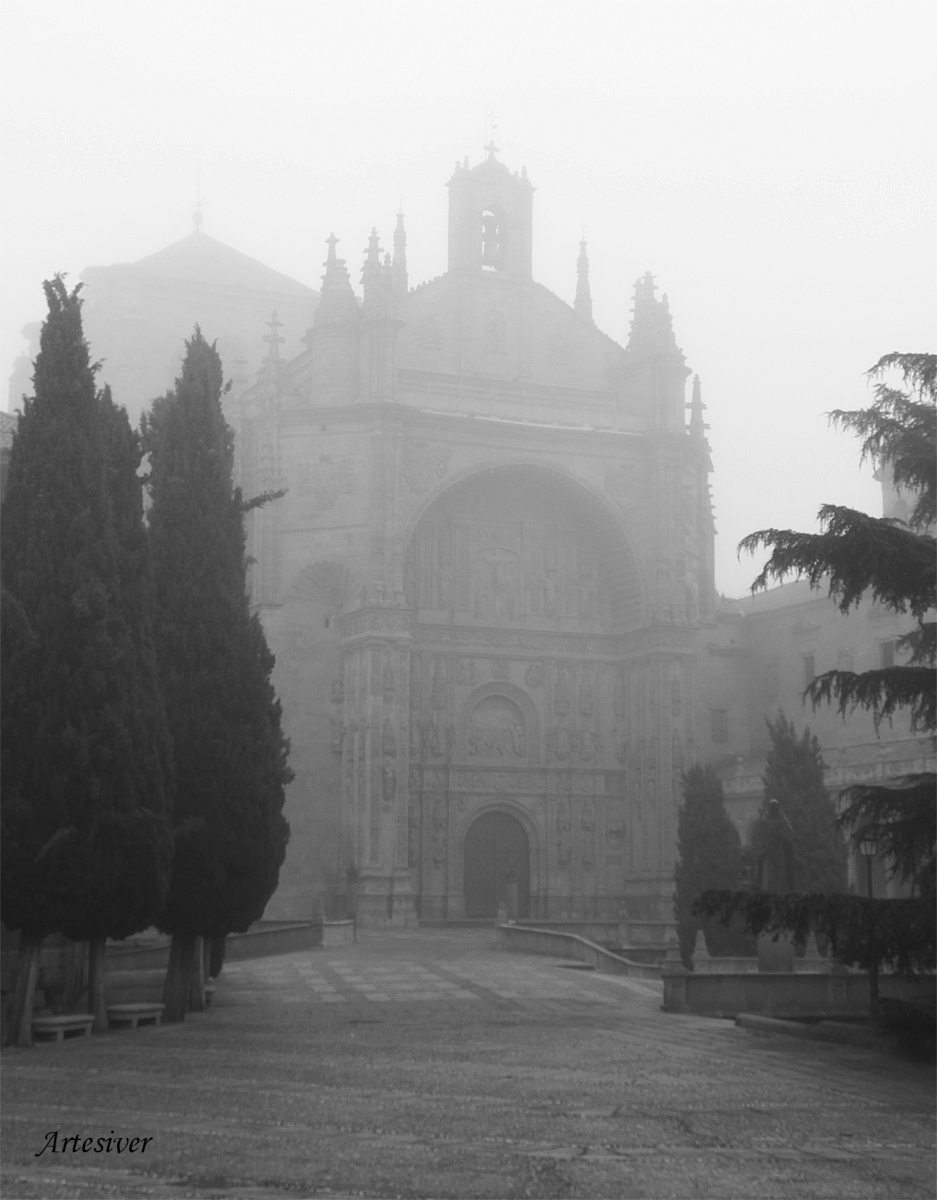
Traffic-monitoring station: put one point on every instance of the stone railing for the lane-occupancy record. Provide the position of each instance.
(559, 944)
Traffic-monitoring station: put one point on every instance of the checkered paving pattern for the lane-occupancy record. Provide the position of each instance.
(306, 977)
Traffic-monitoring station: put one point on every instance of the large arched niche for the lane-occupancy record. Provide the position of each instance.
(521, 544)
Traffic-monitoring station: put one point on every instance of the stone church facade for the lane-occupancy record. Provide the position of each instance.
(485, 583)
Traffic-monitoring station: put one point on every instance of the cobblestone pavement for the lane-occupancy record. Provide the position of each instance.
(431, 1063)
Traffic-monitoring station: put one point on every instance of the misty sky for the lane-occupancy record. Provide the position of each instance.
(771, 164)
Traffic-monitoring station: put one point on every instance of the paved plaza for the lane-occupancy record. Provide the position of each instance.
(432, 1063)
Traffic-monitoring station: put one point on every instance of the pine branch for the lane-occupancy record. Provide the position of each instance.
(882, 693)
(903, 817)
(854, 555)
(262, 499)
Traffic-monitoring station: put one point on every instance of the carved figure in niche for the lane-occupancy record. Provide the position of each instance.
(388, 784)
(518, 739)
(585, 693)
(587, 829)
(388, 681)
(338, 733)
(588, 744)
(388, 738)
(440, 682)
(438, 736)
(500, 668)
(549, 592)
(614, 836)
(413, 833)
(465, 671)
(621, 753)
(409, 581)
(588, 595)
(533, 676)
(563, 838)
(691, 588)
(561, 690)
(561, 742)
(444, 586)
(496, 594)
(338, 691)
(439, 833)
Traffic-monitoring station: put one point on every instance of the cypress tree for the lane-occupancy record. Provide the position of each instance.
(86, 762)
(215, 667)
(794, 777)
(710, 857)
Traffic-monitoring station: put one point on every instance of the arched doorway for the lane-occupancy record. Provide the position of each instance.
(496, 849)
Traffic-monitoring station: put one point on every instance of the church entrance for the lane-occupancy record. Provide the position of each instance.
(497, 861)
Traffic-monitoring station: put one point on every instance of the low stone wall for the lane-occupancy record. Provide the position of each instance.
(558, 944)
(790, 994)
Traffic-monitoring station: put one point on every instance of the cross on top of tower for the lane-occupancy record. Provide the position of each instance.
(273, 336)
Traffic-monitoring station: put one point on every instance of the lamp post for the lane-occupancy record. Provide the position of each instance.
(868, 847)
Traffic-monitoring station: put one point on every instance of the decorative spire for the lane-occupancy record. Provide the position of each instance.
(273, 337)
(337, 300)
(371, 271)
(583, 305)
(651, 322)
(696, 406)
(400, 258)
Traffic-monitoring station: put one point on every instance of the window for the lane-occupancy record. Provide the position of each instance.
(887, 651)
(719, 719)
(493, 239)
(810, 669)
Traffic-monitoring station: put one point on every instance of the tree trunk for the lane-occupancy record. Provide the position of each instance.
(216, 958)
(197, 978)
(178, 974)
(873, 991)
(97, 1003)
(27, 976)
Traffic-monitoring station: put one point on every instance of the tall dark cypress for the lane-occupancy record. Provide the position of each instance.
(86, 760)
(710, 856)
(215, 667)
(794, 777)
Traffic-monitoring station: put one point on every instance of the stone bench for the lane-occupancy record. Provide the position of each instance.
(55, 1028)
(134, 1014)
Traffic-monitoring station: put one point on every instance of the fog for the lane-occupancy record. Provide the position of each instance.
(771, 164)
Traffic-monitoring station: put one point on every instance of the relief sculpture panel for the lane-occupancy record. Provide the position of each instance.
(496, 731)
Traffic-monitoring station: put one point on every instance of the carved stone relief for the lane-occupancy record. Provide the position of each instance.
(324, 482)
(465, 671)
(533, 676)
(587, 834)
(424, 464)
(440, 851)
(563, 835)
(497, 731)
(500, 668)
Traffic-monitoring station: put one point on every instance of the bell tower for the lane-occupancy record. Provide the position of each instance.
(490, 219)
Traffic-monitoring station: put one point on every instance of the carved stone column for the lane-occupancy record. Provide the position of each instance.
(376, 762)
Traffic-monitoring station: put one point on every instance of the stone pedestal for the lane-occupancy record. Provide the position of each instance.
(775, 953)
